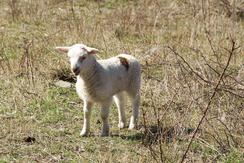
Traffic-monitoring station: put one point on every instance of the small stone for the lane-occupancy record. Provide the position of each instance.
(79, 149)
(63, 84)
(151, 52)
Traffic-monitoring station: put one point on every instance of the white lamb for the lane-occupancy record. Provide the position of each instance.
(101, 81)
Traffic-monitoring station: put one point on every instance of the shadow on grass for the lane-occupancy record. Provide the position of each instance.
(134, 137)
(152, 135)
(63, 74)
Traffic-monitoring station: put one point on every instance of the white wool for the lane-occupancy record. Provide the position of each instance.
(100, 81)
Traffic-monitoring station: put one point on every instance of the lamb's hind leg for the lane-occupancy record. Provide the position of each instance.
(120, 102)
(135, 100)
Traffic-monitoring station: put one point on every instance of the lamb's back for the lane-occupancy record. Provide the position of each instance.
(120, 70)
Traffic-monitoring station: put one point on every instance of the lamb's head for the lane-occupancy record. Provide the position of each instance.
(80, 57)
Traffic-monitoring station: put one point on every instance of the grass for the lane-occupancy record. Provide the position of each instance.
(41, 122)
(55, 123)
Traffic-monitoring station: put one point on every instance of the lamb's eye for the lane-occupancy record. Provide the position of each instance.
(81, 59)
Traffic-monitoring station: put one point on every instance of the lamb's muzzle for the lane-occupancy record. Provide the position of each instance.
(100, 81)
(76, 71)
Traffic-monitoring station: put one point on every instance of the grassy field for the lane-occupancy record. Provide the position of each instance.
(183, 46)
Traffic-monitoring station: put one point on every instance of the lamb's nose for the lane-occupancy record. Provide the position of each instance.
(76, 70)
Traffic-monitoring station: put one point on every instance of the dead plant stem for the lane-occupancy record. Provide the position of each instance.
(231, 52)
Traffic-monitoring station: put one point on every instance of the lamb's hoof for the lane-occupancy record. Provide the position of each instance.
(104, 134)
(133, 123)
(84, 133)
(121, 125)
(132, 126)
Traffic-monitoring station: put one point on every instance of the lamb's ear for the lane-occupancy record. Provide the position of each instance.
(63, 49)
(92, 50)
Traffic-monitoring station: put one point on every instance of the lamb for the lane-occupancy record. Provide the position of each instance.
(100, 81)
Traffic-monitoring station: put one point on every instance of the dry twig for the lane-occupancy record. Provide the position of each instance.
(231, 53)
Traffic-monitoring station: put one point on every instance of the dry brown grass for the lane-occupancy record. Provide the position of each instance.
(183, 46)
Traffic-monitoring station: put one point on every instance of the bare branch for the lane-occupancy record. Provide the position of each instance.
(232, 51)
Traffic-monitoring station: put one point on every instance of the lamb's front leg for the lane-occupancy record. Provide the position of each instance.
(104, 116)
(87, 112)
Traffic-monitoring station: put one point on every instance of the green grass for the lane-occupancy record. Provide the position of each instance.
(55, 122)
(56, 132)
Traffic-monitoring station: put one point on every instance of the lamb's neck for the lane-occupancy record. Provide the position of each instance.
(91, 78)
(90, 72)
